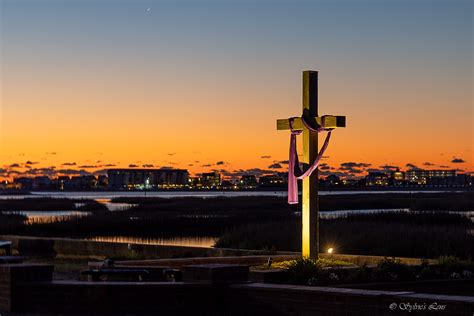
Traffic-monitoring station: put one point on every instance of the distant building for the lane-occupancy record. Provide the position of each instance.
(460, 180)
(398, 175)
(8, 185)
(210, 180)
(332, 180)
(248, 182)
(42, 183)
(131, 179)
(420, 176)
(102, 181)
(397, 178)
(283, 175)
(228, 185)
(88, 182)
(64, 183)
(377, 178)
(24, 183)
(271, 181)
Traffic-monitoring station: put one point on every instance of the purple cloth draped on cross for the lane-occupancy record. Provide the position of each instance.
(294, 171)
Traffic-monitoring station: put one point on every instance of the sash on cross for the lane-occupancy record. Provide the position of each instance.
(294, 171)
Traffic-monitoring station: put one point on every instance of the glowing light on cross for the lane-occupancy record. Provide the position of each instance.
(310, 200)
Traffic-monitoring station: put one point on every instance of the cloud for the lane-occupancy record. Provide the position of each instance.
(284, 162)
(14, 165)
(266, 157)
(458, 160)
(171, 154)
(412, 166)
(275, 166)
(224, 171)
(148, 166)
(219, 163)
(70, 172)
(89, 166)
(324, 167)
(14, 172)
(388, 168)
(109, 165)
(206, 165)
(50, 171)
(69, 164)
(444, 166)
(354, 167)
(133, 166)
(31, 163)
(241, 172)
(100, 172)
(52, 153)
(328, 173)
(429, 164)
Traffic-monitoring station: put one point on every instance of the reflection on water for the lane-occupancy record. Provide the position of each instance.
(342, 213)
(469, 214)
(205, 242)
(113, 207)
(203, 194)
(47, 217)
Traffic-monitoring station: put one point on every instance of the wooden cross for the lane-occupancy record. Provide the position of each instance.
(310, 200)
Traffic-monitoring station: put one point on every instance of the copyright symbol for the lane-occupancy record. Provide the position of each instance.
(393, 306)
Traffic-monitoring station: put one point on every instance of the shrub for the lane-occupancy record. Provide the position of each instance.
(391, 269)
(313, 272)
(450, 265)
(304, 271)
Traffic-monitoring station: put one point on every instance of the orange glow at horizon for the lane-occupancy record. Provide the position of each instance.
(96, 91)
(162, 131)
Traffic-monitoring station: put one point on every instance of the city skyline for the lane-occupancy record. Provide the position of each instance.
(199, 85)
(349, 170)
(179, 179)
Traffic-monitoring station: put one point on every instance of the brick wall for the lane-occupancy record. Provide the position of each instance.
(12, 276)
(29, 289)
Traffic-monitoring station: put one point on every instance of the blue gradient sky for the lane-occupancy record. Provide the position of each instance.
(205, 80)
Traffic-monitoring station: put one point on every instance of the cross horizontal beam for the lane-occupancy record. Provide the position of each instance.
(330, 121)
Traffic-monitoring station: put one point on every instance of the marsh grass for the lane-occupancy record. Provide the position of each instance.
(427, 235)
(452, 201)
(321, 263)
(270, 223)
(49, 204)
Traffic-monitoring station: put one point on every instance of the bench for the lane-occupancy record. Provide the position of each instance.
(7, 247)
(12, 259)
(173, 275)
(129, 274)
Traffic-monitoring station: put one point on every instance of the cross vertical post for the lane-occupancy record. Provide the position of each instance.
(307, 122)
(310, 199)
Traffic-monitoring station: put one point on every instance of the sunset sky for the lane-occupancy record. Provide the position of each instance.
(87, 85)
